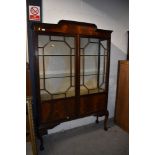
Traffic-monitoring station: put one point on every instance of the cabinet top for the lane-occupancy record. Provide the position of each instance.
(65, 27)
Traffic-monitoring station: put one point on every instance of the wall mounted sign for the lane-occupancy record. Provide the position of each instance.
(34, 13)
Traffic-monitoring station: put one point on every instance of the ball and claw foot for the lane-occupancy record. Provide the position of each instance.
(41, 147)
(97, 120)
(105, 128)
(41, 142)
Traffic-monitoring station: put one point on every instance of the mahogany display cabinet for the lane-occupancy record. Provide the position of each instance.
(71, 62)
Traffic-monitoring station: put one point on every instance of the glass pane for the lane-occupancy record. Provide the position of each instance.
(83, 90)
(45, 95)
(57, 85)
(90, 64)
(70, 42)
(102, 82)
(43, 40)
(41, 66)
(56, 48)
(58, 38)
(41, 84)
(103, 47)
(40, 51)
(104, 43)
(83, 42)
(91, 49)
(91, 82)
(57, 65)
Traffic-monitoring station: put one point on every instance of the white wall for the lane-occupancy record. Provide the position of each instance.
(106, 14)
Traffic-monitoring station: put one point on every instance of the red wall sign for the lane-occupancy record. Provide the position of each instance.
(34, 13)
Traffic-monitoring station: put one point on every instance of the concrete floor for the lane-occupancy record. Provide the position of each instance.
(86, 140)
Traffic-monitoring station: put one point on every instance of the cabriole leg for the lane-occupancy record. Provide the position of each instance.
(97, 119)
(41, 142)
(106, 120)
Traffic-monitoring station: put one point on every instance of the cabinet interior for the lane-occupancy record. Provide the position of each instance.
(56, 55)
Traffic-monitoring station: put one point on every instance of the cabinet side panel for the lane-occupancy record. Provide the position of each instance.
(122, 98)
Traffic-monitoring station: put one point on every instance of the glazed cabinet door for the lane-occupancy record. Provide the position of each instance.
(93, 71)
(56, 66)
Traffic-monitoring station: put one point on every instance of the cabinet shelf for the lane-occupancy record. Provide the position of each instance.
(67, 76)
(56, 55)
